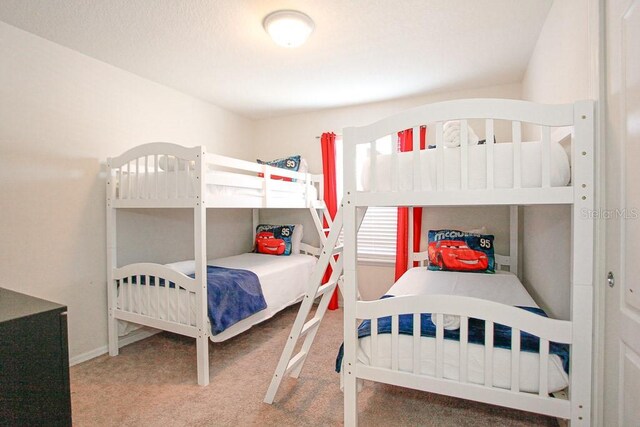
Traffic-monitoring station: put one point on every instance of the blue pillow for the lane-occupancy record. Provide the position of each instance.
(454, 250)
(274, 239)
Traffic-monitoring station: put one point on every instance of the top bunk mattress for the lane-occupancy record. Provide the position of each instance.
(477, 172)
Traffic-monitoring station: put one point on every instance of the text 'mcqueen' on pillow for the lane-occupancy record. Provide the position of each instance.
(454, 250)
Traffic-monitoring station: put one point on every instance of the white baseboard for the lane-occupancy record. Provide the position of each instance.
(134, 336)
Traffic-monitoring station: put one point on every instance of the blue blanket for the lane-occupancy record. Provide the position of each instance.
(501, 334)
(232, 295)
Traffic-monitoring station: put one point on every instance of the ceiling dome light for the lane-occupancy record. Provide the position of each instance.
(288, 28)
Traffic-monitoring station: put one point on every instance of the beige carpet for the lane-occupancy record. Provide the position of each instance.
(153, 383)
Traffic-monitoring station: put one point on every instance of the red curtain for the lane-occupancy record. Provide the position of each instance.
(405, 143)
(328, 143)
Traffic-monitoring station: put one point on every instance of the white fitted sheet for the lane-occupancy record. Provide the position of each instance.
(502, 287)
(477, 172)
(283, 280)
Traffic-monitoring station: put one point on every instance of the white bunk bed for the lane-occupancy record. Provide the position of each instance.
(514, 174)
(164, 175)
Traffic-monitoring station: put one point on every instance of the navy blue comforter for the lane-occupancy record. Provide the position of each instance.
(232, 295)
(501, 334)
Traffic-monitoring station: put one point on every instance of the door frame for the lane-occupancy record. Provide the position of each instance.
(597, 91)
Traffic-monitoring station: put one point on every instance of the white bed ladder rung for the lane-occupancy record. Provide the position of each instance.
(295, 362)
(327, 287)
(310, 325)
(331, 254)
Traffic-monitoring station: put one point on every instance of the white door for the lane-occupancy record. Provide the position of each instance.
(622, 320)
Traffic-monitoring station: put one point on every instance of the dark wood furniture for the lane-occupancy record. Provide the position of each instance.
(34, 361)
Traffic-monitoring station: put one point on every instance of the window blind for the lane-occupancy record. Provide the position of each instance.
(377, 235)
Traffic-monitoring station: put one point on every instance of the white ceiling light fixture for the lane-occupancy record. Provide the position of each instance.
(288, 28)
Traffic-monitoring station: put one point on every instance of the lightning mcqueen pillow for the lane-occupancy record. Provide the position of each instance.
(455, 250)
(274, 239)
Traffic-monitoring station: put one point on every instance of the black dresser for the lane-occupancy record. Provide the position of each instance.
(34, 362)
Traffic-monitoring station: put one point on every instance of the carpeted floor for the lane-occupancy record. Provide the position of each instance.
(153, 383)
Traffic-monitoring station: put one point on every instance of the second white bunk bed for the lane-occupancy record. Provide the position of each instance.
(515, 174)
(174, 297)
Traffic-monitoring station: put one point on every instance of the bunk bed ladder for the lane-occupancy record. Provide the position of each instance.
(331, 253)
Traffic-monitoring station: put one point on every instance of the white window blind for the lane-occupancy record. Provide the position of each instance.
(377, 235)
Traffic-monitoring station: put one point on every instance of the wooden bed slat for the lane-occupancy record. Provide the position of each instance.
(517, 154)
(374, 342)
(138, 179)
(373, 157)
(489, 135)
(395, 169)
(395, 347)
(147, 292)
(129, 295)
(156, 175)
(515, 360)
(176, 175)
(464, 155)
(488, 353)
(147, 190)
(439, 156)
(417, 173)
(464, 340)
(157, 286)
(544, 371)
(439, 345)
(416, 343)
(546, 157)
(167, 295)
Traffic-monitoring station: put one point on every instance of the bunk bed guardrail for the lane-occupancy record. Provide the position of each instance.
(413, 175)
(157, 296)
(548, 330)
(163, 174)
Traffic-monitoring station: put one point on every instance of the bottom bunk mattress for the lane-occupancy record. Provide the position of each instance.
(283, 280)
(502, 287)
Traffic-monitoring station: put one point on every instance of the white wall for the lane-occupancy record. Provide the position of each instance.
(296, 134)
(62, 114)
(558, 72)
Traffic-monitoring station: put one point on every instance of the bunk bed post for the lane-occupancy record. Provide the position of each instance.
(410, 239)
(200, 252)
(350, 287)
(513, 240)
(583, 151)
(255, 221)
(112, 263)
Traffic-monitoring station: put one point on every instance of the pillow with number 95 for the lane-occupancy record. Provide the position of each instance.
(454, 250)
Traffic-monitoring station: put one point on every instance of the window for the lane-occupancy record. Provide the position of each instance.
(377, 235)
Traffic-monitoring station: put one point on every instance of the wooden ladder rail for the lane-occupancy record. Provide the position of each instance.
(290, 364)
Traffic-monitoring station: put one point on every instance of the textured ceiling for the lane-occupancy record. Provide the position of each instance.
(361, 50)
